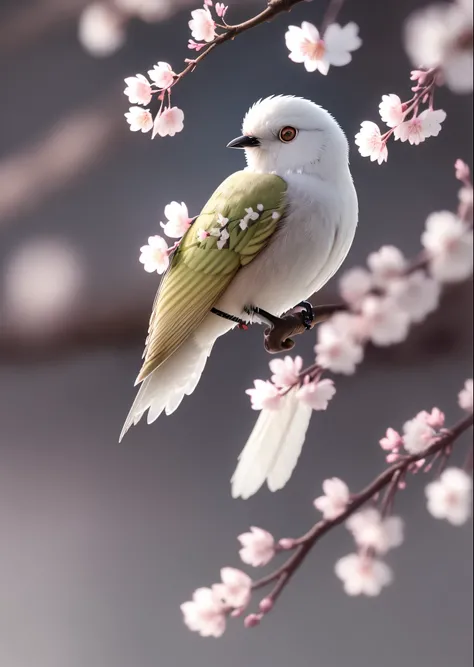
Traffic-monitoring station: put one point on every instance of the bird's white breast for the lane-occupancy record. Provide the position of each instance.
(305, 252)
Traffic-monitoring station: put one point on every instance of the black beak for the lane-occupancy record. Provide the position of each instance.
(244, 142)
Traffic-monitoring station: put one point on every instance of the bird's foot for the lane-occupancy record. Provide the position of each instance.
(258, 315)
(307, 314)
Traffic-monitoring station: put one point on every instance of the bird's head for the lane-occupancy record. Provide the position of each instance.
(290, 134)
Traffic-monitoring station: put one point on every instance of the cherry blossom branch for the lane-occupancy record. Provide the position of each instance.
(273, 9)
(304, 544)
(318, 50)
(375, 531)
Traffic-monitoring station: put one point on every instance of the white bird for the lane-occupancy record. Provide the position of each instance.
(269, 237)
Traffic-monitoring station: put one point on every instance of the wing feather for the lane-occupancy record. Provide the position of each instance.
(200, 271)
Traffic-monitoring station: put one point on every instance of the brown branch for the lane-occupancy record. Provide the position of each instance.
(277, 338)
(303, 545)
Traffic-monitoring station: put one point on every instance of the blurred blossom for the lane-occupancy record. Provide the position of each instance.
(42, 280)
(101, 29)
(440, 35)
(147, 10)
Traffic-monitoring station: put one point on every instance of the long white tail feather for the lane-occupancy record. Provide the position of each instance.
(166, 387)
(290, 450)
(273, 449)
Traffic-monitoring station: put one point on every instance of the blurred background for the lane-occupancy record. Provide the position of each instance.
(100, 542)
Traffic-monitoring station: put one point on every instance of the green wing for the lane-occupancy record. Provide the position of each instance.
(207, 259)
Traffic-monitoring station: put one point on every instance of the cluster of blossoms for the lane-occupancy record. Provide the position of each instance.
(392, 294)
(440, 36)
(287, 376)
(306, 45)
(203, 26)
(374, 529)
(405, 120)
(156, 254)
(438, 40)
(140, 90)
(318, 52)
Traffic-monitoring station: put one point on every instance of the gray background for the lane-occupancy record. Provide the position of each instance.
(100, 543)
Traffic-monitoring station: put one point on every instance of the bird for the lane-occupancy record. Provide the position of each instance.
(270, 236)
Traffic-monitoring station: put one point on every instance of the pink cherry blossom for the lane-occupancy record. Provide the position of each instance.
(465, 396)
(258, 547)
(435, 418)
(307, 46)
(286, 543)
(363, 575)
(371, 143)
(178, 220)
(168, 122)
(202, 25)
(419, 128)
(354, 285)
(286, 372)
(235, 589)
(221, 9)
(335, 499)
(417, 294)
(386, 323)
(392, 440)
(140, 120)
(264, 396)
(266, 605)
(316, 394)
(337, 348)
(386, 264)
(162, 75)
(202, 234)
(450, 496)
(449, 243)
(371, 531)
(417, 435)
(252, 620)
(195, 46)
(155, 255)
(205, 613)
(462, 171)
(392, 110)
(138, 89)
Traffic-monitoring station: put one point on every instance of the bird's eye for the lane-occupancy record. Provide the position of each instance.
(287, 134)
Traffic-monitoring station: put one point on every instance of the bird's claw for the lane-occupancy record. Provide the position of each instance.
(273, 322)
(307, 314)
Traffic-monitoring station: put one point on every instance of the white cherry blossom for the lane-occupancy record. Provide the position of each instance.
(450, 496)
(258, 547)
(318, 53)
(155, 255)
(363, 575)
(371, 143)
(335, 499)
